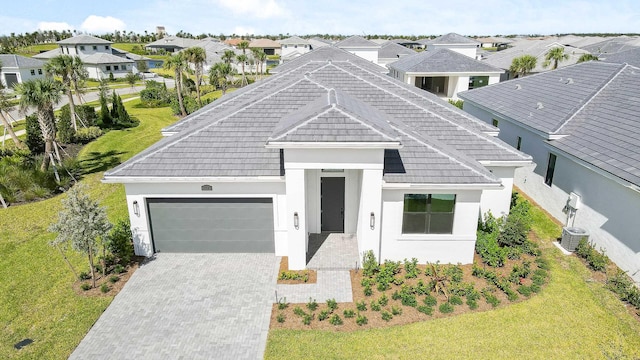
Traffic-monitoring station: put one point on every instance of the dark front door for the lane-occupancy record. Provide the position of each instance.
(332, 204)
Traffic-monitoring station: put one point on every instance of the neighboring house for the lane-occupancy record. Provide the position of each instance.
(391, 51)
(148, 62)
(215, 50)
(581, 125)
(293, 47)
(443, 72)
(537, 48)
(171, 44)
(318, 42)
(631, 57)
(497, 43)
(328, 144)
(17, 69)
(357, 45)
(455, 42)
(97, 55)
(613, 45)
(269, 46)
(411, 44)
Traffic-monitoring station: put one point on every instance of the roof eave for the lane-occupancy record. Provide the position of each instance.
(115, 179)
(415, 186)
(332, 145)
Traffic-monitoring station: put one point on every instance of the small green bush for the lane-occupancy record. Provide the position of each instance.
(332, 305)
(324, 314)
(375, 306)
(367, 291)
(383, 300)
(348, 314)
(118, 269)
(113, 279)
(473, 304)
(294, 275)
(543, 263)
(396, 310)
(535, 288)
(283, 304)
(430, 300)
(489, 250)
(312, 304)
(85, 286)
(455, 300)
(104, 288)
(361, 306)
(427, 310)
(369, 264)
(445, 308)
(361, 320)
(298, 311)
(511, 295)
(524, 290)
(454, 273)
(84, 275)
(421, 288)
(386, 316)
(366, 282)
(85, 135)
(307, 318)
(335, 320)
(492, 299)
(411, 268)
(280, 318)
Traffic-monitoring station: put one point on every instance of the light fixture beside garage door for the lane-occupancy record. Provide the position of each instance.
(136, 208)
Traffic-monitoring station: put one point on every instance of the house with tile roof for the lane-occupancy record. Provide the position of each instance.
(443, 72)
(391, 51)
(455, 42)
(581, 125)
(270, 47)
(96, 54)
(17, 69)
(359, 46)
(171, 44)
(327, 144)
(293, 47)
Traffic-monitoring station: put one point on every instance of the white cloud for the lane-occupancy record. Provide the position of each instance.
(102, 24)
(262, 9)
(52, 25)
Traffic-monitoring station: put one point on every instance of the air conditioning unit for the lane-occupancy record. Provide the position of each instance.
(571, 236)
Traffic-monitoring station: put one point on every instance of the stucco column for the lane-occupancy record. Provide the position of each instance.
(370, 203)
(296, 215)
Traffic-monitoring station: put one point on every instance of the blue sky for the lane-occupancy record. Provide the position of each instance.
(406, 17)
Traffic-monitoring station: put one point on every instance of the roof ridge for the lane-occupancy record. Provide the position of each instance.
(301, 124)
(486, 137)
(198, 130)
(589, 99)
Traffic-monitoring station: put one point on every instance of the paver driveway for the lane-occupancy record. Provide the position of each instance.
(188, 306)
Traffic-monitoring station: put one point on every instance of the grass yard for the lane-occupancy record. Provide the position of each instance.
(128, 46)
(35, 284)
(36, 49)
(571, 318)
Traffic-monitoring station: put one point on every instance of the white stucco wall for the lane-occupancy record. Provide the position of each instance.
(100, 71)
(23, 74)
(609, 208)
(464, 49)
(141, 191)
(458, 247)
(367, 54)
(289, 49)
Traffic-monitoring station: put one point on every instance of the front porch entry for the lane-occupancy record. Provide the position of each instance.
(332, 204)
(333, 251)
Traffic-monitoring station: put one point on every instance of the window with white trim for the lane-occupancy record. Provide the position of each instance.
(428, 213)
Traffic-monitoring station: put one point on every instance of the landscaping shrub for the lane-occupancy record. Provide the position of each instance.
(307, 318)
(473, 304)
(427, 310)
(120, 241)
(411, 268)
(280, 318)
(430, 300)
(84, 275)
(525, 290)
(64, 127)
(312, 304)
(104, 288)
(396, 311)
(361, 320)
(369, 264)
(113, 279)
(335, 320)
(517, 224)
(118, 269)
(375, 306)
(332, 305)
(596, 260)
(34, 140)
(368, 291)
(283, 304)
(421, 288)
(324, 314)
(366, 282)
(348, 314)
(454, 273)
(86, 135)
(623, 286)
(543, 263)
(298, 311)
(85, 286)
(383, 300)
(361, 306)
(293, 275)
(445, 308)
(386, 316)
(489, 250)
(455, 300)
(386, 274)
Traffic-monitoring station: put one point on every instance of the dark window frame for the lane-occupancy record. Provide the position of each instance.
(425, 218)
(551, 168)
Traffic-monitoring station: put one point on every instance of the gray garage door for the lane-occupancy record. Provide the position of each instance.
(212, 225)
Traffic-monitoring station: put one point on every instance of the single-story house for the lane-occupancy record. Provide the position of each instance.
(443, 72)
(270, 47)
(390, 52)
(455, 42)
(17, 69)
(581, 125)
(328, 144)
(357, 45)
(293, 47)
(171, 44)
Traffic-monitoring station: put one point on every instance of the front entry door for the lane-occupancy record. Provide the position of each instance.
(332, 204)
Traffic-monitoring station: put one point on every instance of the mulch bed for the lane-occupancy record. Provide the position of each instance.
(284, 267)
(114, 288)
(409, 314)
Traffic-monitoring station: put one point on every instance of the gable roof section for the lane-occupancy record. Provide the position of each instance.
(173, 41)
(452, 39)
(631, 57)
(84, 39)
(545, 101)
(294, 40)
(537, 48)
(392, 50)
(264, 43)
(324, 54)
(18, 61)
(48, 54)
(441, 61)
(228, 138)
(103, 58)
(356, 42)
(611, 45)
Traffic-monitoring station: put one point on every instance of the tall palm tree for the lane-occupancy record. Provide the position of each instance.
(70, 69)
(523, 65)
(555, 55)
(242, 59)
(42, 94)
(260, 57)
(5, 106)
(178, 64)
(197, 56)
(228, 56)
(78, 77)
(220, 76)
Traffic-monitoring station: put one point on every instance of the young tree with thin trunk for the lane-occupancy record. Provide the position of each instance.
(197, 56)
(42, 94)
(82, 222)
(177, 63)
(555, 56)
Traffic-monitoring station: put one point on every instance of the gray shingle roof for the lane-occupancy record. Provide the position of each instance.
(441, 60)
(536, 48)
(324, 54)
(294, 40)
(610, 46)
(596, 111)
(631, 57)
(356, 42)
(451, 39)
(392, 50)
(227, 138)
(84, 39)
(18, 61)
(173, 41)
(48, 54)
(103, 58)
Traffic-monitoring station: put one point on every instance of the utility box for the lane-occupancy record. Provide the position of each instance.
(571, 236)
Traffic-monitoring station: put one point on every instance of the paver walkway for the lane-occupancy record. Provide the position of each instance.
(188, 306)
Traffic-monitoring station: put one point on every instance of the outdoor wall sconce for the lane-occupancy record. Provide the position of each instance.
(296, 220)
(136, 208)
(372, 221)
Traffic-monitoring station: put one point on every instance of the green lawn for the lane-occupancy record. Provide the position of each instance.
(35, 49)
(572, 318)
(128, 46)
(36, 298)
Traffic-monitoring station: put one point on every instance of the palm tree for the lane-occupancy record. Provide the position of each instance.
(555, 55)
(523, 65)
(228, 56)
(587, 57)
(260, 57)
(197, 56)
(242, 59)
(78, 77)
(5, 106)
(71, 71)
(178, 64)
(42, 94)
(220, 76)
